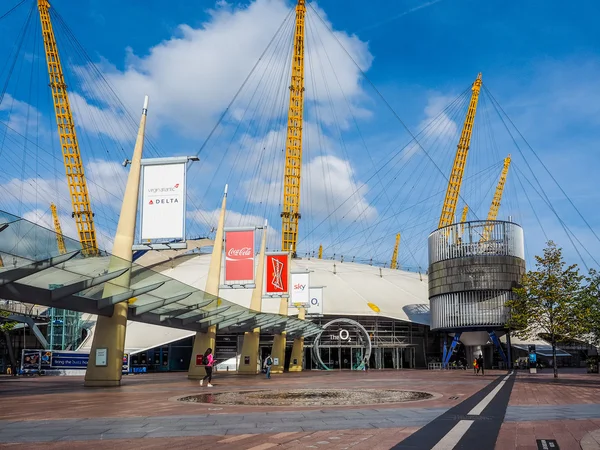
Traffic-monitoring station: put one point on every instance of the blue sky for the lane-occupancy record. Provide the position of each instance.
(539, 59)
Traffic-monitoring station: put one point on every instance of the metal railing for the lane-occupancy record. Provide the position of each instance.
(477, 238)
(26, 309)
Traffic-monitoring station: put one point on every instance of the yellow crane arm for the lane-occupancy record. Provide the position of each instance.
(60, 240)
(495, 207)
(460, 160)
(82, 211)
(394, 264)
(293, 147)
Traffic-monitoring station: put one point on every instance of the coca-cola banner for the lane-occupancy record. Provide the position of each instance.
(276, 274)
(239, 256)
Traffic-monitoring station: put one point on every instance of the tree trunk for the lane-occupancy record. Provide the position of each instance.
(554, 357)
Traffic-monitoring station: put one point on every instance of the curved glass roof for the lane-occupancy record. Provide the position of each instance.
(35, 272)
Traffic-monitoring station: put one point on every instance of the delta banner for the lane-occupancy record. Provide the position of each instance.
(163, 201)
(316, 301)
(300, 292)
(277, 269)
(239, 256)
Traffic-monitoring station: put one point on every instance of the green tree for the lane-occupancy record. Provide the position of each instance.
(592, 307)
(551, 301)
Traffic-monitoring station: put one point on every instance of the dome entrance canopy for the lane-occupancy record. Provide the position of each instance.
(35, 271)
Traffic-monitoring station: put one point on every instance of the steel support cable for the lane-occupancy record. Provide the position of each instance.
(541, 162)
(152, 149)
(263, 128)
(417, 204)
(383, 164)
(325, 176)
(421, 174)
(7, 13)
(566, 228)
(384, 100)
(425, 132)
(269, 46)
(316, 35)
(258, 110)
(543, 194)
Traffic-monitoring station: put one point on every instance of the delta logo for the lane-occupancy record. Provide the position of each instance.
(163, 201)
(299, 287)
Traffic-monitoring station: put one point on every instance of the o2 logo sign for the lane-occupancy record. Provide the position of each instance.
(344, 335)
(314, 301)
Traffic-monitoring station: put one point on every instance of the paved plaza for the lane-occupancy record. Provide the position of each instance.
(498, 410)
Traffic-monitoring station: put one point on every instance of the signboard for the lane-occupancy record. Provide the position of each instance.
(316, 301)
(55, 359)
(300, 292)
(239, 256)
(277, 269)
(101, 354)
(163, 201)
(199, 360)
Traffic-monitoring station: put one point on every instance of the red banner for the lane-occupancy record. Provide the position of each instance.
(239, 255)
(277, 270)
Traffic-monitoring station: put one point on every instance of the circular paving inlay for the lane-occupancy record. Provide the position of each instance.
(308, 397)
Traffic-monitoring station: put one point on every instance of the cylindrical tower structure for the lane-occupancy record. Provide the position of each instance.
(473, 267)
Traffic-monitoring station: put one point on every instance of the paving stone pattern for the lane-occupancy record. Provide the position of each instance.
(213, 424)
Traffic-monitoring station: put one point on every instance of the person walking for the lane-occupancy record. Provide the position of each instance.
(207, 361)
(480, 364)
(268, 364)
(475, 367)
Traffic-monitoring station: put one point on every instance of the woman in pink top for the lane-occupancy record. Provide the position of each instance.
(208, 362)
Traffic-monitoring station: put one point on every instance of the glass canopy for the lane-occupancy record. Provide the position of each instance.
(34, 271)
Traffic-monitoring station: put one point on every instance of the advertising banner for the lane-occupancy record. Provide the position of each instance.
(277, 268)
(300, 292)
(239, 256)
(163, 201)
(316, 301)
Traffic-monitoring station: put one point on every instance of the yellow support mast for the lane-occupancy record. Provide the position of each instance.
(321, 251)
(394, 264)
(60, 240)
(460, 160)
(82, 211)
(463, 219)
(293, 147)
(495, 207)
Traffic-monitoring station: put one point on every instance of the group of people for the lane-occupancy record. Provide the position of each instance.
(208, 361)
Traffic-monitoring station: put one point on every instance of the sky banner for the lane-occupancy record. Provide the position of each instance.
(300, 295)
(239, 256)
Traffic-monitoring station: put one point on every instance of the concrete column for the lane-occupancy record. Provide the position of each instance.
(109, 333)
(298, 347)
(202, 341)
(251, 341)
(279, 340)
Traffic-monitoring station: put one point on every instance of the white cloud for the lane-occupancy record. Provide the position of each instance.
(437, 123)
(19, 115)
(192, 76)
(329, 188)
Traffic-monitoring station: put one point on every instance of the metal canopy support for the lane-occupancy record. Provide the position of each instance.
(74, 288)
(12, 275)
(226, 323)
(114, 299)
(204, 315)
(138, 310)
(211, 321)
(34, 328)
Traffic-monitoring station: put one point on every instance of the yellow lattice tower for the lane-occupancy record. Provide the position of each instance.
(495, 206)
(394, 264)
(82, 211)
(60, 240)
(460, 160)
(320, 251)
(293, 147)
